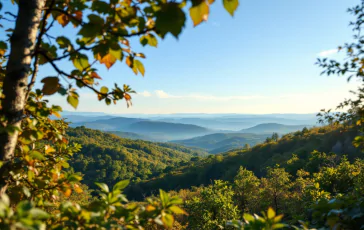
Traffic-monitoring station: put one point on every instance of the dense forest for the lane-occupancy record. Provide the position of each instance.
(108, 158)
(224, 166)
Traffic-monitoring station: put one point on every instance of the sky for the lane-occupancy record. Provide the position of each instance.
(260, 61)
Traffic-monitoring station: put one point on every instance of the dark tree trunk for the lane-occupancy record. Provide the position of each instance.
(18, 69)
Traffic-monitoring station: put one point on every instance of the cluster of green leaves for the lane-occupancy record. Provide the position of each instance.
(267, 221)
(211, 207)
(330, 197)
(111, 211)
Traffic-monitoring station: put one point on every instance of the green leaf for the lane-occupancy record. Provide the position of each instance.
(63, 42)
(199, 13)
(248, 217)
(168, 220)
(139, 66)
(26, 191)
(104, 90)
(3, 45)
(103, 187)
(231, 6)
(90, 31)
(279, 226)
(177, 210)
(36, 155)
(96, 19)
(149, 39)
(121, 185)
(116, 51)
(170, 19)
(38, 213)
(164, 197)
(80, 61)
(100, 7)
(271, 213)
(74, 178)
(72, 100)
(5, 199)
(107, 101)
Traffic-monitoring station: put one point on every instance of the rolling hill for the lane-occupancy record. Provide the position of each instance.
(167, 131)
(222, 142)
(136, 128)
(108, 158)
(269, 128)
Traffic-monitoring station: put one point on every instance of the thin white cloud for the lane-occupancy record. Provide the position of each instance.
(145, 94)
(164, 95)
(327, 53)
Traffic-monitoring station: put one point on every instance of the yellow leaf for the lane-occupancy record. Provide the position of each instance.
(55, 176)
(168, 220)
(56, 114)
(231, 6)
(150, 208)
(199, 13)
(68, 192)
(49, 149)
(63, 20)
(177, 210)
(77, 188)
(139, 66)
(271, 213)
(108, 60)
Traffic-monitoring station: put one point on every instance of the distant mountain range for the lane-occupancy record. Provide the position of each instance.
(111, 124)
(222, 142)
(136, 128)
(269, 128)
(182, 126)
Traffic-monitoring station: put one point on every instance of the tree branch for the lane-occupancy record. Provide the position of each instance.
(36, 48)
(59, 71)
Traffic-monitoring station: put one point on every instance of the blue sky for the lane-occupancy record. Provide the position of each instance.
(259, 61)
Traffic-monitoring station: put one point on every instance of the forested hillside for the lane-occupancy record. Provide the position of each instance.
(108, 158)
(222, 142)
(224, 166)
(273, 128)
